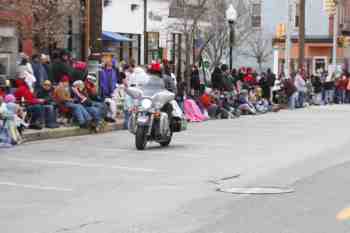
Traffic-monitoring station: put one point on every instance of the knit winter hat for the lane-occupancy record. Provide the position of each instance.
(10, 98)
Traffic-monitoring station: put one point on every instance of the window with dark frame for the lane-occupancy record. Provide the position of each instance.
(256, 15)
(297, 15)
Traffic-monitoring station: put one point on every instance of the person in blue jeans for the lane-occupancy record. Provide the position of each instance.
(82, 98)
(63, 96)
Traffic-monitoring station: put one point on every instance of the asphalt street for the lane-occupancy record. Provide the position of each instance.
(101, 184)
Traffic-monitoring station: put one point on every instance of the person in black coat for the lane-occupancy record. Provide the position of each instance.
(217, 79)
(195, 80)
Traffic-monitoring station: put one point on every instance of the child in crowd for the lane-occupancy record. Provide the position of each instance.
(9, 122)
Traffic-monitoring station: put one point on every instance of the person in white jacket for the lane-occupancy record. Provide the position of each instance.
(25, 72)
(300, 84)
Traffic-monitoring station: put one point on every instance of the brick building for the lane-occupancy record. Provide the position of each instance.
(15, 33)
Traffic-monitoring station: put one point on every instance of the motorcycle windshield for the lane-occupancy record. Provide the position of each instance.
(153, 86)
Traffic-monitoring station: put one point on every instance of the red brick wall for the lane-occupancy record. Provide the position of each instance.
(19, 15)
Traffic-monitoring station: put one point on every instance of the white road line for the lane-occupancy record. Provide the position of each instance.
(139, 153)
(82, 165)
(27, 186)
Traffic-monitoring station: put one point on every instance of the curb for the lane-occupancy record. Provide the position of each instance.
(46, 134)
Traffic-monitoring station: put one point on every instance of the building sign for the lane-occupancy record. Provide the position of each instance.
(154, 17)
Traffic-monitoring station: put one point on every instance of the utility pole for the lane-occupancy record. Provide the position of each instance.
(335, 35)
(145, 34)
(288, 40)
(301, 33)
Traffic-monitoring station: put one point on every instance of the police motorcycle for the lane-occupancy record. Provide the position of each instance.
(156, 115)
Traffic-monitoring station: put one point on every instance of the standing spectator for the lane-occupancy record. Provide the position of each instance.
(62, 67)
(46, 94)
(348, 91)
(217, 79)
(40, 73)
(300, 84)
(341, 85)
(169, 81)
(271, 78)
(195, 80)
(108, 81)
(25, 72)
(317, 86)
(291, 92)
(329, 86)
(249, 80)
(63, 96)
(265, 86)
(228, 80)
(45, 61)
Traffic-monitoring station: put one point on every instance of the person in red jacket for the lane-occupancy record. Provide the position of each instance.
(341, 86)
(33, 105)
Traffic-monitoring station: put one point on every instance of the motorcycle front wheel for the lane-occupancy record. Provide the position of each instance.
(141, 138)
(167, 142)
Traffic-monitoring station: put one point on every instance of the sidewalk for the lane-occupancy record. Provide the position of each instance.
(44, 134)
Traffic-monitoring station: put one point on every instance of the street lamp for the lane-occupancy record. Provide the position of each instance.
(231, 16)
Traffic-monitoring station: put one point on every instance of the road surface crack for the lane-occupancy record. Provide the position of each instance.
(74, 228)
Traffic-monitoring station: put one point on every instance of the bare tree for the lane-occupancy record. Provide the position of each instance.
(45, 21)
(218, 30)
(50, 20)
(189, 14)
(258, 47)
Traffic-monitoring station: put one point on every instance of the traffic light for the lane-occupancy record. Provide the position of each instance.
(341, 41)
(330, 6)
(281, 31)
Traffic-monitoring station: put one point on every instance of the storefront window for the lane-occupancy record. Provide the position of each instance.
(153, 46)
(4, 65)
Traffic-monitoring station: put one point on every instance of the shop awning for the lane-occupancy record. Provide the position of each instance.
(114, 37)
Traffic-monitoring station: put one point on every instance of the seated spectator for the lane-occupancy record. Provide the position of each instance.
(108, 106)
(209, 103)
(46, 94)
(63, 97)
(245, 105)
(82, 98)
(261, 104)
(33, 105)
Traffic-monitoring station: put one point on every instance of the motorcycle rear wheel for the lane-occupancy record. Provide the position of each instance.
(167, 142)
(141, 138)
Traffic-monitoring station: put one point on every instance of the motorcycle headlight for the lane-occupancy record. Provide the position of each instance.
(146, 104)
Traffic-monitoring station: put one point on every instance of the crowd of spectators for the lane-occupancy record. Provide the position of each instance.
(51, 92)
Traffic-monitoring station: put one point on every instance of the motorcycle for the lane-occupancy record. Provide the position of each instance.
(154, 117)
